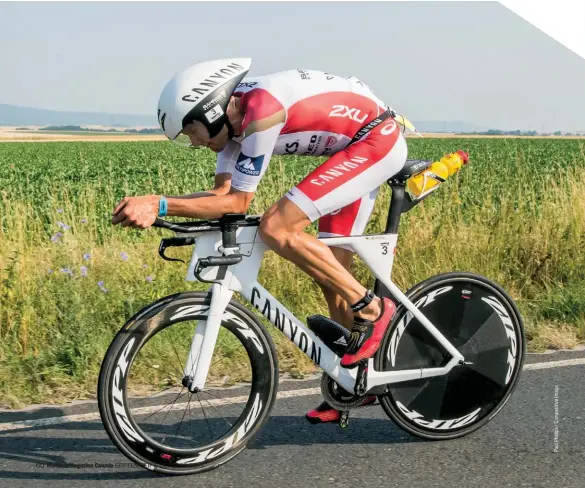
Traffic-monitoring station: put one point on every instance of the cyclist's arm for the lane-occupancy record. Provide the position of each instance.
(247, 164)
(210, 207)
(222, 187)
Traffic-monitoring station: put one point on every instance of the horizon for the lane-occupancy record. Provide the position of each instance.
(440, 62)
(477, 127)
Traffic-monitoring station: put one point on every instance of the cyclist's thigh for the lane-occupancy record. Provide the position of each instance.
(353, 173)
(350, 220)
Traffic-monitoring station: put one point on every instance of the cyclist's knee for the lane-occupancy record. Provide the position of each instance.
(275, 235)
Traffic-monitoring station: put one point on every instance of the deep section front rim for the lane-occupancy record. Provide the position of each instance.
(142, 446)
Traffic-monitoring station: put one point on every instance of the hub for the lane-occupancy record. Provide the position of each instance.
(187, 382)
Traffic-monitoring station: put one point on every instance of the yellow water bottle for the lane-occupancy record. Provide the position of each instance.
(423, 183)
(427, 180)
(455, 161)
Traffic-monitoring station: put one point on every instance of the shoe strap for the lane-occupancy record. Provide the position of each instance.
(364, 302)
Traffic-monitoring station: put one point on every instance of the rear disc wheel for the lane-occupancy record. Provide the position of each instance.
(479, 318)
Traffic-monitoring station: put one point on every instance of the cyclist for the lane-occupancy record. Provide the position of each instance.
(302, 112)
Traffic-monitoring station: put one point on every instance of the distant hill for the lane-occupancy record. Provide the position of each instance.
(448, 126)
(13, 115)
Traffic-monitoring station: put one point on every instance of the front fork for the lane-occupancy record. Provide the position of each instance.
(203, 343)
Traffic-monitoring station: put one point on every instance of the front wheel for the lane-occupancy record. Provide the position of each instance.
(153, 419)
(479, 318)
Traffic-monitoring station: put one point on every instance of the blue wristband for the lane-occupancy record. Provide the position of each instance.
(162, 207)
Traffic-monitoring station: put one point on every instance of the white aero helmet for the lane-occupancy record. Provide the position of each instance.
(200, 93)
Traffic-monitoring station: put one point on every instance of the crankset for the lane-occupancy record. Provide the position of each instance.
(337, 397)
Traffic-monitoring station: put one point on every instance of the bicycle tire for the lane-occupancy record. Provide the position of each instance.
(424, 393)
(119, 423)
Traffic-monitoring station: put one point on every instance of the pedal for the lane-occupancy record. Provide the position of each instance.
(334, 335)
(361, 381)
(344, 419)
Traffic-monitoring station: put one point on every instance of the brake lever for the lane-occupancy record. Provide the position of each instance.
(174, 242)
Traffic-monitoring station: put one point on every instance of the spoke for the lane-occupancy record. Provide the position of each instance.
(189, 407)
(178, 357)
(218, 397)
(218, 347)
(216, 410)
(164, 406)
(154, 413)
(218, 361)
(172, 405)
(177, 369)
(194, 363)
(201, 406)
(142, 399)
(181, 422)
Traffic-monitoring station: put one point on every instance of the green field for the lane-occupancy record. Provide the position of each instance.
(516, 214)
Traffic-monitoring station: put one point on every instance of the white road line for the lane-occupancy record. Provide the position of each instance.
(555, 364)
(85, 417)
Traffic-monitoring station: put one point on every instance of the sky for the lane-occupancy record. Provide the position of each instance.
(476, 62)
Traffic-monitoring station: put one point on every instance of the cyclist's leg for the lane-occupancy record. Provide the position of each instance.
(338, 308)
(347, 221)
(350, 220)
(344, 178)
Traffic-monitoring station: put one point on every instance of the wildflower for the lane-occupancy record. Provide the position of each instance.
(124, 256)
(59, 210)
(55, 238)
(59, 234)
(84, 271)
(84, 221)
(67, 271)
(50, 271)
(145, 266)
(63, 226)
(149, 279)
(102, 287)
(86, 256)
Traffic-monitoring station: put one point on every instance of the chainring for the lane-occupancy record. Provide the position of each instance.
(337, 397)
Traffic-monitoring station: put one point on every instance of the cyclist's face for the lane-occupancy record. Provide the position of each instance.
(199, 136)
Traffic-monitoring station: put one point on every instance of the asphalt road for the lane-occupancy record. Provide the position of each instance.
(518, 448)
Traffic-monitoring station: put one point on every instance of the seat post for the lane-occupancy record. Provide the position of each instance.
(396, 205)
(398, 187)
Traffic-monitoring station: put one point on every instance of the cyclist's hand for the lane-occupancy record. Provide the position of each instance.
(137, 212)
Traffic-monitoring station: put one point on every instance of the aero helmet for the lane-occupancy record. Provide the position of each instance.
(200, 93)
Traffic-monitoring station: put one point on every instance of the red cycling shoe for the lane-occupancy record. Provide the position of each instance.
(325, 413)
(366, 335)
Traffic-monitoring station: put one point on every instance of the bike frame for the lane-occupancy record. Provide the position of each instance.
(377, 252)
